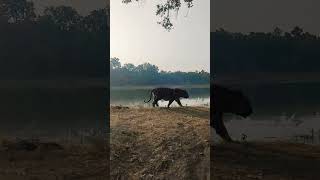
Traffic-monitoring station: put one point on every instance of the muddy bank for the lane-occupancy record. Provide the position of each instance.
(265, 160)
(28, 160)
(160, 143)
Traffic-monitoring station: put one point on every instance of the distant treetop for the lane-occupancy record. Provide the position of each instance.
(149, 74)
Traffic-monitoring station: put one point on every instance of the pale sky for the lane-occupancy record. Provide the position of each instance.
(264, 15)
(137, 38)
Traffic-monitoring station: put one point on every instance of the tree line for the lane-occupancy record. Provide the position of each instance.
(149, 74)
(58, 43)
(277, 51)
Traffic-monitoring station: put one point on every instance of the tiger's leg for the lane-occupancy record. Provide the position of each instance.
(178, 101)
(170, 101)
(219, 126)
(155, 101)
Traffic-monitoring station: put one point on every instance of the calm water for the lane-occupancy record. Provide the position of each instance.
(51, 111)
(136, 97)
(281, 111)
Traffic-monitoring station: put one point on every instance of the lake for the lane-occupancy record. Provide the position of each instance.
(135, 96)
(281, 111)
(51, 111)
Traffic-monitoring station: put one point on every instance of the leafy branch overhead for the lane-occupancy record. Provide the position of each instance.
(164, 10)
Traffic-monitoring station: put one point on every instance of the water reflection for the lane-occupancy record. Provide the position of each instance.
(51, 111)
(268, 128)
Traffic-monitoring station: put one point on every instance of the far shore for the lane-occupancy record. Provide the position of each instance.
(260, 78)
(155, 86)
(54, 83)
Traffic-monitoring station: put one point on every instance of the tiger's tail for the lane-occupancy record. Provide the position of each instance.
(150, 97)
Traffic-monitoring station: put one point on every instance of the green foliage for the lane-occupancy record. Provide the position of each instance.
(278, 51)
(149, 74)
(60, 43)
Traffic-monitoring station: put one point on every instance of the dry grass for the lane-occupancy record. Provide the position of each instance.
(160, 143)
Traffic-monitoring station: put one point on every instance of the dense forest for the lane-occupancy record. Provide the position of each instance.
(277, 51)
(149, 74)
(57, 43)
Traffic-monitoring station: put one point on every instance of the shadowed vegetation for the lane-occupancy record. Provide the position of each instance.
(58, 43)
(277, 51)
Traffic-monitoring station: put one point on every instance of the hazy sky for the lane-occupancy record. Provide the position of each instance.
(137, 38)
(264, 15)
